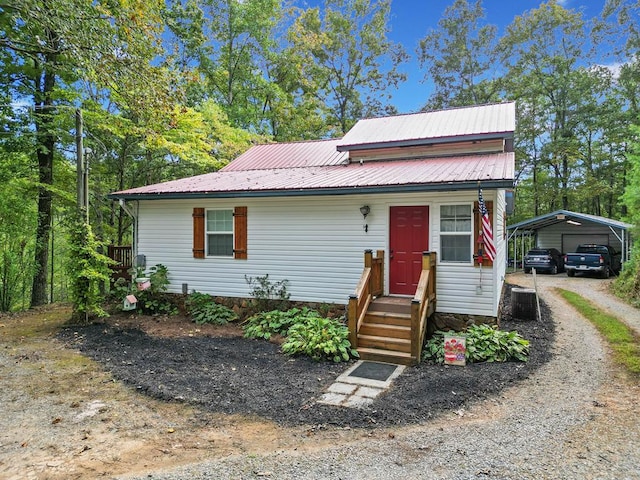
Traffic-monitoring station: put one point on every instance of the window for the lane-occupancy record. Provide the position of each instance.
(219, 233)
(222, 232)
(455, 233)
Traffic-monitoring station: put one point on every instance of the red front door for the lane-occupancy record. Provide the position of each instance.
(408, 238)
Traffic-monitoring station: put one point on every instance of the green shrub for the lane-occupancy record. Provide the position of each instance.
(306, 332)
(154, 300)
(196, 300)
(88, 271)
(627, 285)
(484, 343)
(203, 309)
(265, 324)
(268, 295)
(319, 338)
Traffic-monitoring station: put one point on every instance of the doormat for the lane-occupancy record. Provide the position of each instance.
(374, 371)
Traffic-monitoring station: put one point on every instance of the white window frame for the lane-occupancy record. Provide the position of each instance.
(468, 233)
(208, 232)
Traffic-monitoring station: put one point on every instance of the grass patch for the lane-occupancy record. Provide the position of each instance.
(622, 339)
(38, 323)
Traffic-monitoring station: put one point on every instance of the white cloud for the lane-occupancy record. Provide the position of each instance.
(614, 68)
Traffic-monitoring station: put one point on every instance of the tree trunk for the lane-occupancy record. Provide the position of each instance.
(45, 84)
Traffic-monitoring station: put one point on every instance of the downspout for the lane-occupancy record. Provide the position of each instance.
(134, 226)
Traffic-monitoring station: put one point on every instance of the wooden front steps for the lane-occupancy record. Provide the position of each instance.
(385, 333)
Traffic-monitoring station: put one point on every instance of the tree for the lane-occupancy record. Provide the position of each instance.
(460, 57)
(226, 43)
(347, 58)
(48, 47)
(542, 50)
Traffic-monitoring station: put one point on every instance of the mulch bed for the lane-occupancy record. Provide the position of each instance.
(233, 375)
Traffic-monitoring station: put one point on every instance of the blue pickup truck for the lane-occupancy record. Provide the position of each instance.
(602, 260)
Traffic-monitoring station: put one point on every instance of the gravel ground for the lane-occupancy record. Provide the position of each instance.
(568, 413)
(572, 418)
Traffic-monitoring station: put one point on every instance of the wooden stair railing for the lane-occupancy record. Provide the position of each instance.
(390, 329)
(423, 303)
(123, 256)
(370, 285)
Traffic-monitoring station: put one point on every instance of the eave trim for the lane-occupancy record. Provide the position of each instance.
(413, 188)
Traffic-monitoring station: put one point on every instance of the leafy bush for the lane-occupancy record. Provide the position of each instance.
(319, 338)
(307, 333)
(196, 301)
(153, 300)
(87, 269)
(268, 295)
(203, 309)
(265, 324)
(627, 285)
(484, 344)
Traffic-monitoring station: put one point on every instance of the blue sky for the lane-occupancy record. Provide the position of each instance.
(412, 19)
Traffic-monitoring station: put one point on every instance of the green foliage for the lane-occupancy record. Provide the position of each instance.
(88, 270)
(622, 339)
(460, 57)
(484, 343)
(153, 300)
(203, 309)
(268, 295)
(275, 322)
(17, 215)
(347, 59)
(627, 285)
(306, 332)
(319, 338)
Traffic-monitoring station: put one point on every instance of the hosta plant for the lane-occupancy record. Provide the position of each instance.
(274, 322)
(203, 309)
(319, 338)
(484, 343)
(306, 332)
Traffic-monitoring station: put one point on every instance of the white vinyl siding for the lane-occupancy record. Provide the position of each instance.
(316, 243)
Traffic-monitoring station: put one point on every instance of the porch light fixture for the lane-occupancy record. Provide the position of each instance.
(364, 210)
(573, 222)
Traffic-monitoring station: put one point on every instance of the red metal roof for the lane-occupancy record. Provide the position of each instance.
(433, 173)
(289, 155)
(420, 128)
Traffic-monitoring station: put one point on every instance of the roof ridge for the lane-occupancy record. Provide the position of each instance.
(293, 142)
(449, 109)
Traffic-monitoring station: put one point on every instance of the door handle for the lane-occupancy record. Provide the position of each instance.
(391, 255)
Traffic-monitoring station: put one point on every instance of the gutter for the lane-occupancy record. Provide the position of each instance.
(134, 227)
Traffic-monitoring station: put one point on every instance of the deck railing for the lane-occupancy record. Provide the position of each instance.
(123, 256)
(423, 303)
(370, 285)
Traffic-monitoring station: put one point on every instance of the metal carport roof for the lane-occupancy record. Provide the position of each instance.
(527, 227)
(565, 216)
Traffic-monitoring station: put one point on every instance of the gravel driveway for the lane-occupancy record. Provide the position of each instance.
(573, 418)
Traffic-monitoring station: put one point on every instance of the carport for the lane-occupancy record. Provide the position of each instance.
(565, 230)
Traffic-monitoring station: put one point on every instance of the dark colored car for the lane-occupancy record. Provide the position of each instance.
(544, 260)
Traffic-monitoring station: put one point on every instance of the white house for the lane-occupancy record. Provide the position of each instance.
(296, 211)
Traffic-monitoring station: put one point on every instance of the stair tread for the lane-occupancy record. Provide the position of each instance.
(387, 326)
(380, 313)
(381, 338)
(380, 351)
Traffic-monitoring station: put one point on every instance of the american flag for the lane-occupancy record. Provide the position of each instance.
(487, 233)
